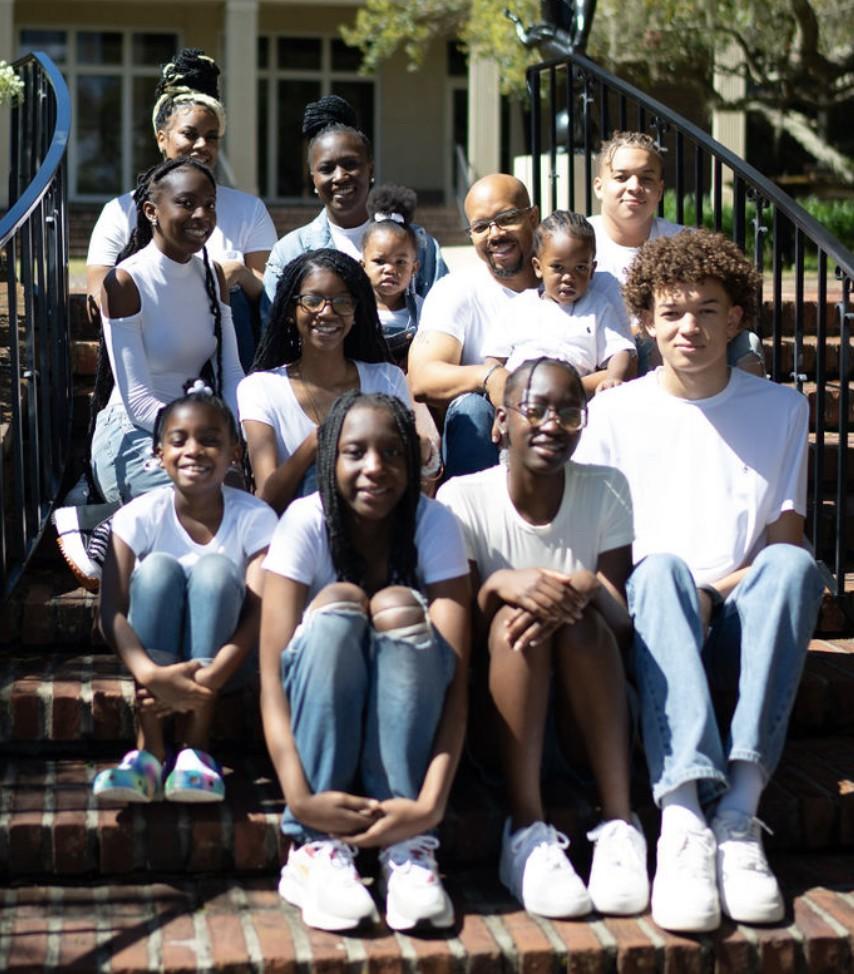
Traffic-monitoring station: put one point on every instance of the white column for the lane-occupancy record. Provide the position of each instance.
(7, 54)
(241, 91)
(729, 128)
(484, 141)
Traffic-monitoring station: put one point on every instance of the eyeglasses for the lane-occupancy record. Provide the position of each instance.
(502, 221)
(341, 304)
(569, 418)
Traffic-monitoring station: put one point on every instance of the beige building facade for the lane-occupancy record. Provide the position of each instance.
(275, 55)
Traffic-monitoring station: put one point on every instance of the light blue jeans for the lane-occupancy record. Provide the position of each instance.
(365, 705)
(467, 439)
(180, 615)
(122, 461)
(756, 646)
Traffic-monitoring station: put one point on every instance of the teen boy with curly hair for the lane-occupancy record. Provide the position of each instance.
(723, 596)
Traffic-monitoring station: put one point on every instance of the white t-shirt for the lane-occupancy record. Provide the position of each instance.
(243, 226)
(465, 305)
(595, 515)
(349, 239)
(149, 523)
(300, 546)
(168, 341)
(268, 397)
(586, 333)
(613, 258)
(707, 476)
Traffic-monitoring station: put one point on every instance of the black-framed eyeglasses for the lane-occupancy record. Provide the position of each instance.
(341, 304)
(569, 418)
(503, 221)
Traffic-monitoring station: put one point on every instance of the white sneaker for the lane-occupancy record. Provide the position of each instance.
(619, 883)
(684, 891)
(537, 872)
(748, 889)
(320, 878)
(414, 892)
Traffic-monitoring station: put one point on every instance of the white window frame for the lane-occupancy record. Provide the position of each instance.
(128, 71)
(271, 75)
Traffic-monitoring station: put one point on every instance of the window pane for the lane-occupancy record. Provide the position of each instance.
(154, 49)
(345, 58)
(263, 154)
(99, 47)
(292, 168)
(360, 94)
(300, 52)
(143, 145)
(263, 52)
(99, 125)
(457, 60)
(52, 42)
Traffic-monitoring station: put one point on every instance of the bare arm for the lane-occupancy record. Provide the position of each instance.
(247, 274)
(275, 482)
(95, 274)
(612, 569)
(435, 374)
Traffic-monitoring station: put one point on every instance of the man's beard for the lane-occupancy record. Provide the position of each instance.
(504, 270)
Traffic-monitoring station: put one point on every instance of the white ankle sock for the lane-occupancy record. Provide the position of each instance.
(681, 809)
(745, 788)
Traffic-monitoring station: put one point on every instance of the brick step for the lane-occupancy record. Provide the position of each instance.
(241, 924)
(50, 825)
(831, 404)
(788, 315)
(809, 356)
(61, 704)
(831, 457)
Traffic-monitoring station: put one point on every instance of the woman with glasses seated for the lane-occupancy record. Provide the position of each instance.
(549, 545)
(323, 339)
(341, 165)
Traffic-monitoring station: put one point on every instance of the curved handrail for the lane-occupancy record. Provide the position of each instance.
(34, 193)
(799, 216)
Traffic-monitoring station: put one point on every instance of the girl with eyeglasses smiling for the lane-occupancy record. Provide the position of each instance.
(549, 545)
(323, 339)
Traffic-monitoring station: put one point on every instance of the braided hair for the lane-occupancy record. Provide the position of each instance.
(140, 237)
(281, 343)
(565, 221)
(195, 391)
(391, 208)
(350, 565)
(523, 375)
(191, 78)
(331, 113)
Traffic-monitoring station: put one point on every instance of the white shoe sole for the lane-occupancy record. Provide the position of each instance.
(292, 891)
(771, 914)
(193, 796)
(681, 923)
(71, 547)
(439, 919)
(616, 906)
(127, 795)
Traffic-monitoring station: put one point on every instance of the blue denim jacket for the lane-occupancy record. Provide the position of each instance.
(317, 234)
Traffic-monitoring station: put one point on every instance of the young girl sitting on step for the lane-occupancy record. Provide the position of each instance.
(180, 600)
(364, 655)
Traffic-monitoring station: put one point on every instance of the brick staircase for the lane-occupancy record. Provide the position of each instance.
(173, 888)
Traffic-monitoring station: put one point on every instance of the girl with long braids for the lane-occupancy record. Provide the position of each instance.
(323, 338)
(341, 166)
(165, 319)
(189, 121)
(364, 659)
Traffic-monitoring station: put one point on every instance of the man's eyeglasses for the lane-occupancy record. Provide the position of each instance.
(502, 221)
(342, 304)
(569, 418)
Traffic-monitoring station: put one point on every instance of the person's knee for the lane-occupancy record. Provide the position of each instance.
(340, 596)
(660, 570)
(789, 564)
(397, 608)
(213, 572)
(161, 569)
(589, 636)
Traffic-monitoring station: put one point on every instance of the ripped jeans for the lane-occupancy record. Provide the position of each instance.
(365, 705)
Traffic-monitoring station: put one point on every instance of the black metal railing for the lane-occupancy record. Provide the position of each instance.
(35, 368)
(575, 104)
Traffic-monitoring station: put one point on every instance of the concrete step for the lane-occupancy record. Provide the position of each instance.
(233, 924)
(59, 704)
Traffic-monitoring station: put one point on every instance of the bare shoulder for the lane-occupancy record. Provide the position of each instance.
(119, 295)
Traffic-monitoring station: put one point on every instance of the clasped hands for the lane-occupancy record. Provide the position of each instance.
(177, 688)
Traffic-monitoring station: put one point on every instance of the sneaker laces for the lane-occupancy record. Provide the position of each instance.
(618, 845)
(337, 854)
(695, 855)
(98, 543)
(548, 845)
(414, 853)
(743, 833)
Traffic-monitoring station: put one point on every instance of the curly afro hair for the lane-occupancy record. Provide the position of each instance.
(691, 257)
